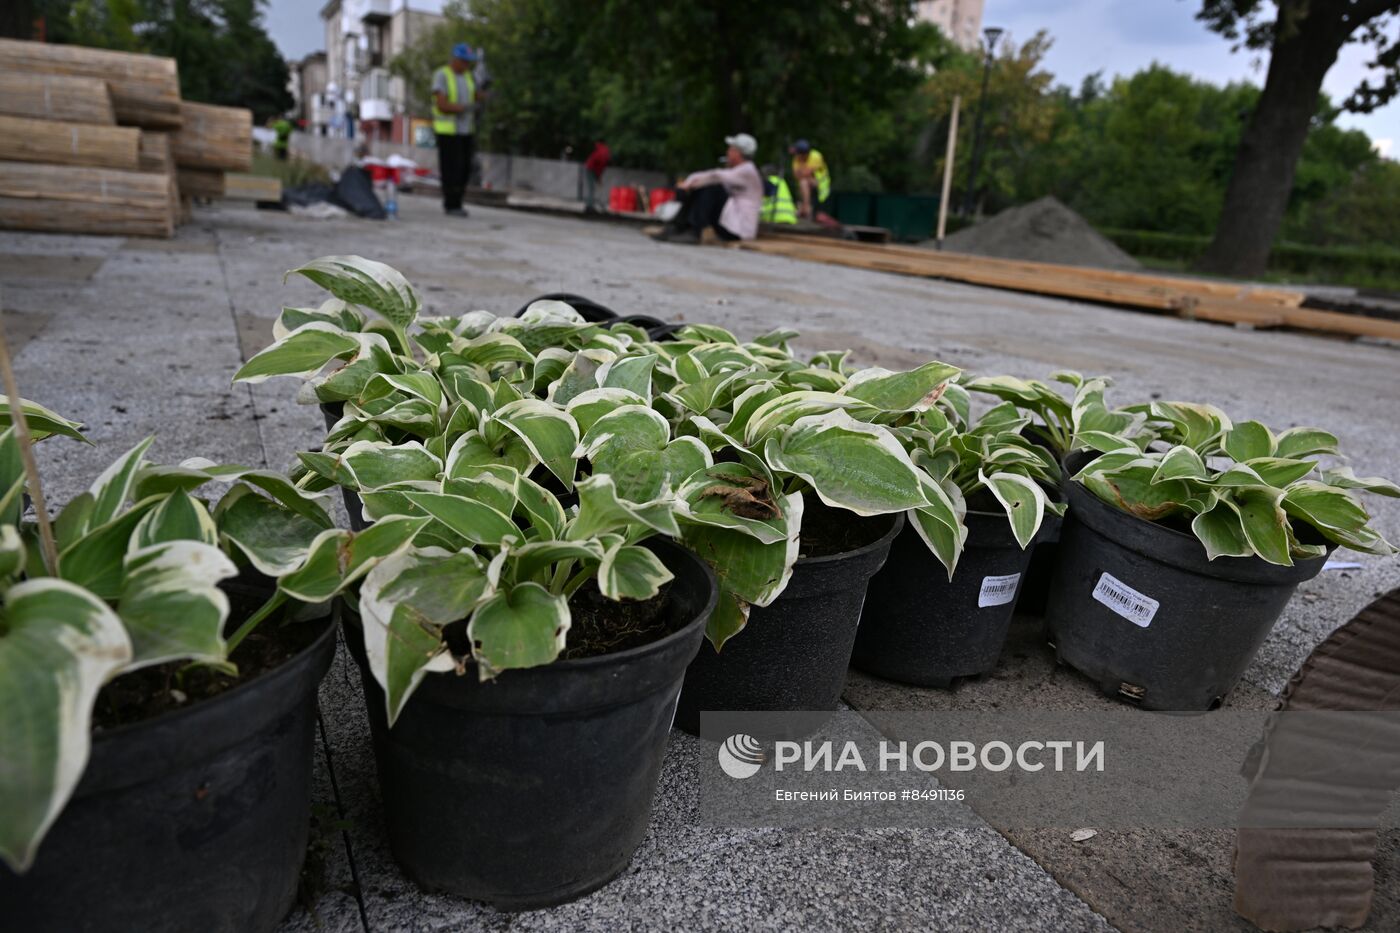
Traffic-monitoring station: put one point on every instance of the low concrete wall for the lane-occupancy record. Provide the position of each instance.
(554, 177)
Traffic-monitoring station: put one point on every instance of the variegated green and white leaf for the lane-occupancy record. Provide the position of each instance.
(849, 464)
(1023, 500)
(524, 626)
(631, 572)
(171, 603)
(365, 282)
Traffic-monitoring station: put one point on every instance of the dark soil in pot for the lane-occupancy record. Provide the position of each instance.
(793, 654)
(919, 627)
(1137, 607)
(535, 788)
(190, 815)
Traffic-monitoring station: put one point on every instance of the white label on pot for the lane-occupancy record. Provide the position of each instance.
(1126, 601)
(998, 591)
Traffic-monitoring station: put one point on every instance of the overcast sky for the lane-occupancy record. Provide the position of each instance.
(1113, 36)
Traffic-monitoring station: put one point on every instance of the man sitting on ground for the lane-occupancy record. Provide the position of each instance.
(725, 199)
(813, 180)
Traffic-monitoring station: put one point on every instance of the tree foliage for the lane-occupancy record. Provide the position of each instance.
(224, 53)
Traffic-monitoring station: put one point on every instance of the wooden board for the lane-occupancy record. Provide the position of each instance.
(23, 139)
(56, 97)
(214, 138)
(200, 183)
(144, 89)
(239, 186)
(73, 199)
(1223, 302)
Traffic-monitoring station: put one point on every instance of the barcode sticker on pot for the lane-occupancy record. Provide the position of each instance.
(998, 591)
(1126, 601)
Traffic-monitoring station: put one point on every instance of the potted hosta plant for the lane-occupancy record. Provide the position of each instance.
(925, 624)
(1059, 425)
(1177, 560)
(518, 660)
(156, 713)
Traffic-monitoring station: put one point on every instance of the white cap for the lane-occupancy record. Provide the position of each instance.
(743, 142)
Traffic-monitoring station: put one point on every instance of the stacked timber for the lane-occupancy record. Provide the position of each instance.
(56, 97)
(78, 199)
(85, 140)
(210, 137)
(144, 89)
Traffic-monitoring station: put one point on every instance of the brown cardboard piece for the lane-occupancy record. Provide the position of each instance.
(1299, 879)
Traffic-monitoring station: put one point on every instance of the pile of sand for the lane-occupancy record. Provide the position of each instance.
(1044, 231)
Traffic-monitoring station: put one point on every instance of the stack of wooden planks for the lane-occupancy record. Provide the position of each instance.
(96, 141)
(1224, 302)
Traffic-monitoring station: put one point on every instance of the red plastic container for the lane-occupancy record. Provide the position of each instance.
(622, 200)
(660, 196)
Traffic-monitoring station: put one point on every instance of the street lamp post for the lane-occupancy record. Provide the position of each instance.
(992, 34)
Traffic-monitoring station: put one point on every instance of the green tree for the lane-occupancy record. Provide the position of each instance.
(1303, 38)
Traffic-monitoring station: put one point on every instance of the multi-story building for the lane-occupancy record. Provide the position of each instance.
(362, 37)
(960, 20)
(308, 80)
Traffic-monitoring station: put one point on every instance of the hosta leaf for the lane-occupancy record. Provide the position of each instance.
(112, 488)
(1249, 440)
(631, 572)
(274, 539)
(94, 560)
(787, 409)
(729, 618)
(632, 374)
(1324, 507)
(1264, 522)
(365, 282)
(537, 560)
(475, 521)
(522, 627)
(41, 421)
(1219, 529)
(550, 434)
(419, 385)
(12, 552)
(1103, 441)
(1180, 463)
(338, 558)
(915, 390)
(1023, 500)
(1344, 478)
(850, 465)
(1305, 442)
(601, 510)
(737, 496)
(545, 513)
(1278, 472)
(579, 376)
(180, 517)
(375, 464)
(940, 525)
(1132, 490)
(58, 645)
(171, 604)
(587, 407)
(303, 352)
(405, 602)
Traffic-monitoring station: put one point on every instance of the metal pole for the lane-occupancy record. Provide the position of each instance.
(969, 199)
(948, 170)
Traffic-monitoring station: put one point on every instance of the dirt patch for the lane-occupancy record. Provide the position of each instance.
(602, 626)
(1043, 231)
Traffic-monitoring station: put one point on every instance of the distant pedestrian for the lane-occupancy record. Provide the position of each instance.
(454, 125)
(727, 200)
(283, 141)
(813, 178)
(593, 168)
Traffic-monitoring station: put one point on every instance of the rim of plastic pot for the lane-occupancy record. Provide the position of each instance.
(1169, 546)
(884, 540)
(592, 311)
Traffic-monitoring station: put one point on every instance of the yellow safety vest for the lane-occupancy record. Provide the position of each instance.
(445, 124)
(778, 207)
(820, 172)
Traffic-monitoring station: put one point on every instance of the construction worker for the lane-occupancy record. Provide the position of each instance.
(777, 199)
(282, 144)
(454, 125)
(813, 178)
(726, 200)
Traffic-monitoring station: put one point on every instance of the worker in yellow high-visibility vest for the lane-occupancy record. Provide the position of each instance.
(777, 199)
(454, 125)
(813, 179)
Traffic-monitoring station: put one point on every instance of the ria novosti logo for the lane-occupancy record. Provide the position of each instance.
(741, 756)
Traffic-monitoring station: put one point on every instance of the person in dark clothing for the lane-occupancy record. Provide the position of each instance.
(454, 125)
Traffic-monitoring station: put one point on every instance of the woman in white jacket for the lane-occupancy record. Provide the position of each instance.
(726, 199)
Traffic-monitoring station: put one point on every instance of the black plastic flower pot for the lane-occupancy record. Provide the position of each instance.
(535, 788)
(918, 627)
(794, 652)
(1137, 608)
(1045, 557)
(195, 819)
